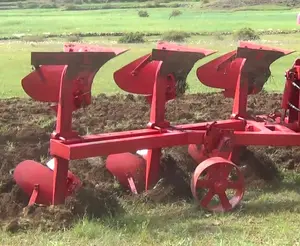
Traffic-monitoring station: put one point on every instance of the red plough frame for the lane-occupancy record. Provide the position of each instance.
(68, 76)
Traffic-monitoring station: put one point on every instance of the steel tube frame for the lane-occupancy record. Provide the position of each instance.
(66, 145)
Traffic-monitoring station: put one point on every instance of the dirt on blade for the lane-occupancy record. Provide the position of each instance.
(25, 127)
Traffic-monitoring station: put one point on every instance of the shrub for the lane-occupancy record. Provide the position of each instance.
(246, 34)
(48, 6)
(107, 6)
(78, 2)
(176, 36)
(143, 13)
(73, 38)
(20, 5)
(132, 37)
(32, 5)
(175, 5)
(175, 13)
(70, 7)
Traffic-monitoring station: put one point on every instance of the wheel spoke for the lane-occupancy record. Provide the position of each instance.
(207, 198)
(226, 170)
(212, 172)
(224, 201)
(214, 175)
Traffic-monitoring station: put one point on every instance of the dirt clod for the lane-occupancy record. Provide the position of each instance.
(25, 127)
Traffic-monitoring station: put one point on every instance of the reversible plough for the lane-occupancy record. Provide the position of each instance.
(133, 157)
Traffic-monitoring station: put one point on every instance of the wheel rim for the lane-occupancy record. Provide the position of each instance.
(214, 177)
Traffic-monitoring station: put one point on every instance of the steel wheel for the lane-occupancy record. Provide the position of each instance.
(217, 178)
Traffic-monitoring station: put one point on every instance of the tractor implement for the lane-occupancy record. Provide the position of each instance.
(133, 157)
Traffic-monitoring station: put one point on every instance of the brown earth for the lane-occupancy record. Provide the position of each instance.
(25, 127)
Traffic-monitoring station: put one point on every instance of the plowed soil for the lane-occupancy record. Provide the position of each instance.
(25, 127)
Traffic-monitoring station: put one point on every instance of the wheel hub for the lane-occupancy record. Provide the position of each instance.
(220, 186)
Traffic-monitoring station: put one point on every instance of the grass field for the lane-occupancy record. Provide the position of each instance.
(15, 56)
(37, 22)
(15, 59)
(266, 217)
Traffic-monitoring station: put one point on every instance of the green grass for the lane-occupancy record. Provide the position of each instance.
(267, 216)
(264, 7)
(15, 61)
(38, 22)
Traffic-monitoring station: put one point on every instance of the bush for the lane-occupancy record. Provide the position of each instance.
(73, 38)
(132, 37)
(20, 5)
(143, 13)
(175, 5)
(107, 6)
(70, 7)
(176, 36)
(32, 5)
(175, 13)
(48, 6)
(246, 34)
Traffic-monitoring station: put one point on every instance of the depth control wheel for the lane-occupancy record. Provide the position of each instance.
(217, 184)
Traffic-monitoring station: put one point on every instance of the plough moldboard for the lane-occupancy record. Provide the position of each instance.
(133, 157)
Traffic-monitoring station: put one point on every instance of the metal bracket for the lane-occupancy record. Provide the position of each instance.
(132, 184)
(34, 195)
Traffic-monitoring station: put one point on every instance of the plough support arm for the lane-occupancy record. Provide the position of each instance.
(249, 65)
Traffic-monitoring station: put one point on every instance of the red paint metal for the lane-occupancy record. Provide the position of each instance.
(37, 181)
(291, 95)
(240, 73)
(197, 152)
(154, 75)
(50, 70)
(216, 182)
(222, 72)
(34, 195)
(127, 166)
(140, 75)
(215, 142)
(105, 144)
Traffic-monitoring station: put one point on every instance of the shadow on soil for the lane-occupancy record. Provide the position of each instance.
(25, 127)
